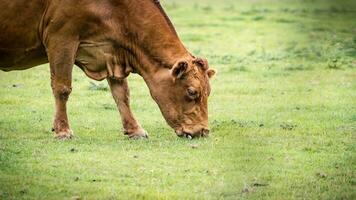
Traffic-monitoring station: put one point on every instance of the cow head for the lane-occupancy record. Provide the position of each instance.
(182, 94)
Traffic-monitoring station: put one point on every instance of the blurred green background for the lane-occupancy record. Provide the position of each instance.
(282, 114)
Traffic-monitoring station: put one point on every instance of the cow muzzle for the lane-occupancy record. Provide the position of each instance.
(190, 134)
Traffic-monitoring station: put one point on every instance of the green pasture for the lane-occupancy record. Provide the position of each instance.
(282, 114)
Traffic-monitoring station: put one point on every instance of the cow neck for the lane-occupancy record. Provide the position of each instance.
(147, 64)
(152, 40)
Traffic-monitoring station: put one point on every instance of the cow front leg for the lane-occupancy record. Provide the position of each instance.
(121, 94)
(61, 59)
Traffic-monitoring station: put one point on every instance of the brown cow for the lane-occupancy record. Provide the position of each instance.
(108, 39)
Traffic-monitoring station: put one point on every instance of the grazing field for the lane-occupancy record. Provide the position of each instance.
(282, 113)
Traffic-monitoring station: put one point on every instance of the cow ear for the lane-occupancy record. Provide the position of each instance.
(179, 69)
(202, 63)
(211, 72)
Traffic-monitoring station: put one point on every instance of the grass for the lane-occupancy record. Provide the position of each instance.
(282, 114)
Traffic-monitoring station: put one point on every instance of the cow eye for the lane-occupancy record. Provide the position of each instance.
(192, 93)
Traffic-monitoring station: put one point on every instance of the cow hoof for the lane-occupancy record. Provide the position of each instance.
(141, 134)
(63, 135)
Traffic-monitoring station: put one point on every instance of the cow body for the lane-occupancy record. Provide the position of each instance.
(27, 28)
(106, 39)
(20, 44)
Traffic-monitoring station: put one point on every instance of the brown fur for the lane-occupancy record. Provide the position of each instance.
(108, 39)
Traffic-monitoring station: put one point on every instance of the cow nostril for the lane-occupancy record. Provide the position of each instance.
(205, 132)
